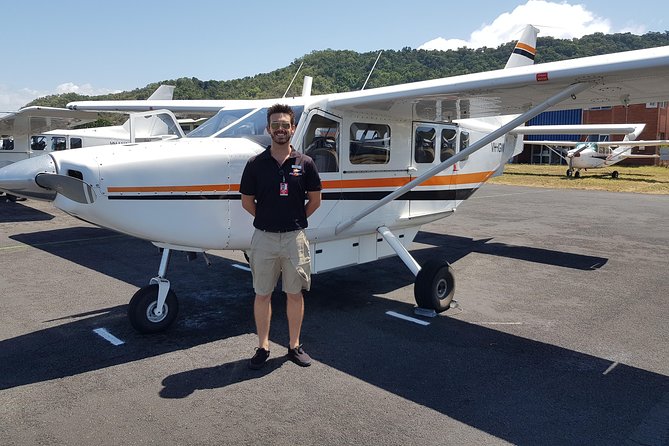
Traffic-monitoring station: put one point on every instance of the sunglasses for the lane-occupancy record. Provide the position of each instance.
(283, 125)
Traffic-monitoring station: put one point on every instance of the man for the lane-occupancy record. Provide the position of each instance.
(280, 188)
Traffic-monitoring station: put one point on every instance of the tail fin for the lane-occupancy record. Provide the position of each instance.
(164, 92)
(525, 50)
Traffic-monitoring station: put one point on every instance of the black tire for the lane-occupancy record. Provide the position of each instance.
(435, 286)
(142, 305)
(614, 174)
(568, 172)
(577, 174)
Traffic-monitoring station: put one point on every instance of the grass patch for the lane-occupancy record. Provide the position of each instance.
(642, 179)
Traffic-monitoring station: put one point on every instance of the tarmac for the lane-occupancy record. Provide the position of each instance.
(560, 336)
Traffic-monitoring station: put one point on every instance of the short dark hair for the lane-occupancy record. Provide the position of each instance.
(281, 108)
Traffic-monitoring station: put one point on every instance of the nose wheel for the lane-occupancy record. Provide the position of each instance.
(154, 307)
(144, 314)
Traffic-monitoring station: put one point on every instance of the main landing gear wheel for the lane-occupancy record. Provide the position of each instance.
(614, 174)
(568, 172)
(141, 310)
(435, 286)
(577, 174)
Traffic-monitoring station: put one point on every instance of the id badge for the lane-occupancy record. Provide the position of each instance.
(283, 189)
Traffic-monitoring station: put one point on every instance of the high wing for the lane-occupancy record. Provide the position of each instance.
(522, 55)
(201, 107)
(613, 79)
(42, 119)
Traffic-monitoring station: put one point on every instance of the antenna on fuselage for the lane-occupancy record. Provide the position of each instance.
(293, 80)
(370, 71)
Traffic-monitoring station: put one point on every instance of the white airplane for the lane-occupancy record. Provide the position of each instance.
(596, 155)
(387, 158)
(139, 127)
(35, 130)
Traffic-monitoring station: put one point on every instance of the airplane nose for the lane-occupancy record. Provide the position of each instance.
(19, 178)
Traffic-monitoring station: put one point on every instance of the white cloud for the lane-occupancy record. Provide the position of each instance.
(86, 89)
(12, 100)
(559, 20)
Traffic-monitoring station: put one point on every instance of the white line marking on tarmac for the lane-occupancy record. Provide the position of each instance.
(611, 367)
(497, 323)
(407, 318)
(102, 332)
(245, 268)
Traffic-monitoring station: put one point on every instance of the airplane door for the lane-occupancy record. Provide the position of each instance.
(321, 141)
(432, 144)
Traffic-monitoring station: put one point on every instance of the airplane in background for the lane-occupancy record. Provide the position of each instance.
(596, 155)
(391, 160)
(29, 132)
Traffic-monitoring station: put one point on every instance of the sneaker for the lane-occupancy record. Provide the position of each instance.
(259, 359)
(299, 356)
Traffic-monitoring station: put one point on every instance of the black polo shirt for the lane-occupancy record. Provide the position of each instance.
(262, 178)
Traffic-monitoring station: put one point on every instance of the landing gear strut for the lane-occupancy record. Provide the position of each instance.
(154, 307)
(435, 282)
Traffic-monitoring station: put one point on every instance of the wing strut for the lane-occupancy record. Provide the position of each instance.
(531, 113)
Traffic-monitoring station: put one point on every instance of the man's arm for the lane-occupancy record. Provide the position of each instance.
(313, 202)
(249, 204)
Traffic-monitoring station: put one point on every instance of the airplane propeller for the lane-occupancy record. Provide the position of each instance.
(70, 187)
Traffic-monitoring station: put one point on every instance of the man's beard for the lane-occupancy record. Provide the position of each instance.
(280, 138)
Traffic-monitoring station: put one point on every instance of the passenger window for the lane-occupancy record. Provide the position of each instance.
(75, 143)
(7, 144)
(448, 139)
(58, 143)
(370, 144)
(424, 144)
(464, 143)
(320, 141)
(38, 143)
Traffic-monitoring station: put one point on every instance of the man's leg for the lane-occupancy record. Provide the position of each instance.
(295, 312)
(262, 312)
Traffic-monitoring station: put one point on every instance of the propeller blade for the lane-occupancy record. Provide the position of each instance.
(70, 187)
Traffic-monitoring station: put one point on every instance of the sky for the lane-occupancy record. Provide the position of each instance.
(91, 48)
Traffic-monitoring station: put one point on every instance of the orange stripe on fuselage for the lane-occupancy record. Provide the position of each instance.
(369, 183)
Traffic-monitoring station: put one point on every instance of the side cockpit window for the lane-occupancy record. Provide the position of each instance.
(321, 143)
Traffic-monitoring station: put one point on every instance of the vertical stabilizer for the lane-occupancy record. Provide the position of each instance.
(163, 92)
(525, 49)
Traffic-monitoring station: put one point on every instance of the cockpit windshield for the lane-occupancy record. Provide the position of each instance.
(218, 122)
(238, 123)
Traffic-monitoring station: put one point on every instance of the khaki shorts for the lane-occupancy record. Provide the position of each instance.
(284, 254)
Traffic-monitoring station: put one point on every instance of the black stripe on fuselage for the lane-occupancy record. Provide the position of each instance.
(420, 195)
